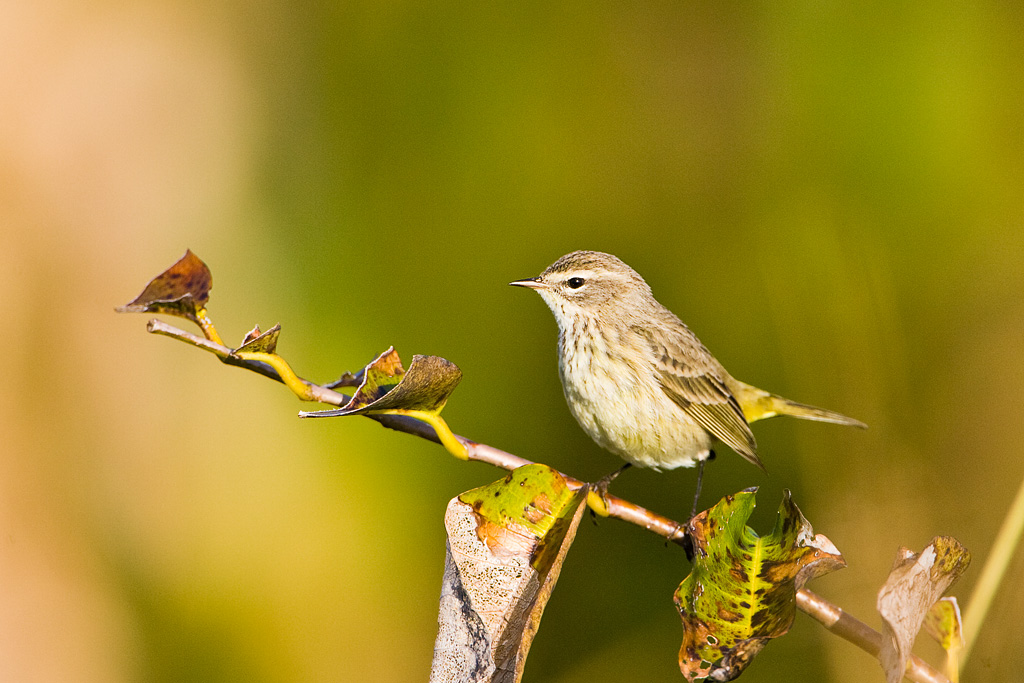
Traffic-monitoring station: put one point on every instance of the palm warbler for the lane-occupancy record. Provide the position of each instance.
(638, 380)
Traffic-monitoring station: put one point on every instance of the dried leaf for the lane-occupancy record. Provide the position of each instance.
(262, 342)
(506, 545)
(914, 585)
(180, 290)
(251, 334)
(387, 386)
(742, 589)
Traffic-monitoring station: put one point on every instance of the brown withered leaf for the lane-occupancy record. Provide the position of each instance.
(387, 386)
(251, 334)
(916, 582)
(180, 290)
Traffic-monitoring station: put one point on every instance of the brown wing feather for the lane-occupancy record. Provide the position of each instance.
(694, 380)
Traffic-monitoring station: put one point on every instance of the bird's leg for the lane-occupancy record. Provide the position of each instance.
(604, 482)
(599, 503)
(700, 481)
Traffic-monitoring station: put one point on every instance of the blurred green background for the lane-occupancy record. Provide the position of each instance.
(830, 195)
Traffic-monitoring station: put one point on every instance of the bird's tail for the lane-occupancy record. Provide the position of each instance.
(758, 404)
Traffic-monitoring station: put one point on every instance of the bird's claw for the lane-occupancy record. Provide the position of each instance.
(597, 500)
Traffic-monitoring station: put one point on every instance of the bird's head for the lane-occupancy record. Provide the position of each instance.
(590, 284)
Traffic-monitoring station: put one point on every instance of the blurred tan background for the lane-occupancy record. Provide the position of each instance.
(831, 197)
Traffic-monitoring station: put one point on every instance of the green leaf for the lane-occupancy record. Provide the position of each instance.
(506, 545)
(386, 386)
(528, 497)
(742, 589)
(180, 290)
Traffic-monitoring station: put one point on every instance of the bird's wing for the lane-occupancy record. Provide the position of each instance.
(693, 380)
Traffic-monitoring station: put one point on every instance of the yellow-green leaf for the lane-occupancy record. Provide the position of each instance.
(742, 589)
(526, 498)
(260, 342)
(943, 623)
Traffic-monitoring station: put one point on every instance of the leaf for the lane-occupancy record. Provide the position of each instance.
(943, 623)
(506, 545)
(387, 386)
(180, 290)
(742, 589)
(260, 342)
(915, 583)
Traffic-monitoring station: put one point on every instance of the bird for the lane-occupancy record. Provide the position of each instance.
(639, 382)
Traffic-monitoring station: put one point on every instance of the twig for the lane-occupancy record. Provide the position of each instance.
(854, 630)
(831, 616)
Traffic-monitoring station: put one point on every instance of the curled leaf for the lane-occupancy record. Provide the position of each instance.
(506, 545)
(260, 342)
(386, 386)
(916, 582)
(251, 334)
(943, 623)
(181, 290)
(742, 589)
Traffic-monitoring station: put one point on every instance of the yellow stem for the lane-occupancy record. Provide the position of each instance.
(203, 319)
(299, 387)
(953, 663)
(441, 428)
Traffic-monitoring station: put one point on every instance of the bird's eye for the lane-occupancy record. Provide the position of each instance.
(575, 282)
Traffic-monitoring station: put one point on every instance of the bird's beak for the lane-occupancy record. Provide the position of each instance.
(530, 282)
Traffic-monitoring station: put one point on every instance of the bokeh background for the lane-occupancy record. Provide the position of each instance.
(830, 195)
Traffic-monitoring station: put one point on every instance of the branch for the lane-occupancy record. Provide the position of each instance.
(831, 616)
(617, 507)
(860, 634)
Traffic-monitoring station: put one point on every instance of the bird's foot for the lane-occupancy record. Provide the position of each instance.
(597, 501)
(597, 498)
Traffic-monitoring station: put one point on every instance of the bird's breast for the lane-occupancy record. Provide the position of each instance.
(613, 392)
